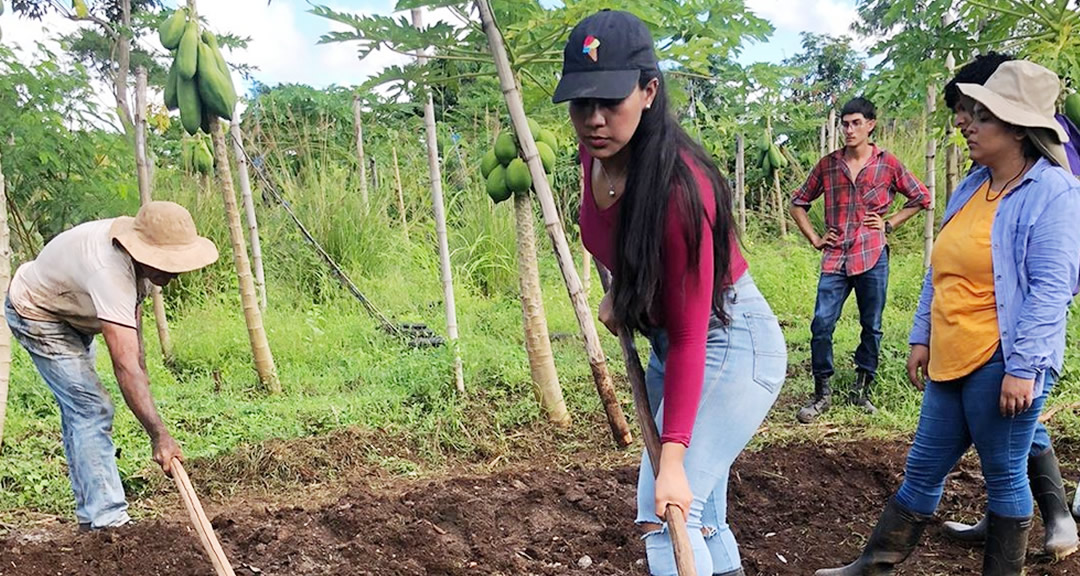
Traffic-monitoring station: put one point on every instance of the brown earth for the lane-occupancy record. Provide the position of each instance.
(793, 508)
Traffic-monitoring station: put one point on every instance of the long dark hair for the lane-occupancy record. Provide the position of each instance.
(658, 167)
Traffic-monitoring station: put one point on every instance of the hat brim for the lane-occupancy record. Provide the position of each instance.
(1053, 150)
(1009, 112)
(601, 84)
(172, 259)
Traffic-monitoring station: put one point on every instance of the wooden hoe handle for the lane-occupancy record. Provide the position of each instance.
(198, 519)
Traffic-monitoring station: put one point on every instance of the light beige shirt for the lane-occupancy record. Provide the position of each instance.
(81, 278)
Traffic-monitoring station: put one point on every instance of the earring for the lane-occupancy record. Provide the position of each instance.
(648, 106)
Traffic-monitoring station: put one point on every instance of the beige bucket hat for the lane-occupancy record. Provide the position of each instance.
(1023, 93)
(162, 235)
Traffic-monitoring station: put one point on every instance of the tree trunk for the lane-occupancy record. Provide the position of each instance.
(440, 220)
(358, 119)
(616, 420)
(249, 210)
(740, 181)
(822, 138)
(123, 63)
(142, 171)
(537, 341)
(952, 151)
(931, 174)
(260, 347)
(5, 334)
(400, 192)
(781, 215)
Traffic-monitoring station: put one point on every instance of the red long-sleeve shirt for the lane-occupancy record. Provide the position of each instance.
(686, 298)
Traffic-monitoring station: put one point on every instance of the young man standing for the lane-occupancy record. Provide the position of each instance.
(859, 183)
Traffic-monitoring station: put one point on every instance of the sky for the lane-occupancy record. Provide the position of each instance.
(284, 36)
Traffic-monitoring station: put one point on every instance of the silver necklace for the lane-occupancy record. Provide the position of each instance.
(611, 185)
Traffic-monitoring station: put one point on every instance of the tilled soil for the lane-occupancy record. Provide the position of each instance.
(793, 508)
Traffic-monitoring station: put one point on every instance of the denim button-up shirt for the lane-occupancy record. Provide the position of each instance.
(1035, 249)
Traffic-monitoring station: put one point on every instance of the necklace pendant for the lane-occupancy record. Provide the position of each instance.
(611, 192)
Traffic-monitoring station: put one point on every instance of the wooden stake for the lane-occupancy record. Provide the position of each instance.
(620, 430)
(249, 210)
(740, 180)
(440, 220)
(199, 520)
(400, 193)
(5, 333)
(931, 174)
(358, 119)
(142, 173)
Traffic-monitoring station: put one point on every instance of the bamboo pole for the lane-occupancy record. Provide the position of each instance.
(931, 174)
(142, 172)
(537, 341)
(952, 151)
(740, 180)
(830, 130)
(249, 210)
(822, 136)
(440, 220)
(5, 279)
(358, 120)
(199, 520)
(616, 420)
(400, 192)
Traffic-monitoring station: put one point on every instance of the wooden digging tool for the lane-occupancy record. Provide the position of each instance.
(680, 537)
(198, 519)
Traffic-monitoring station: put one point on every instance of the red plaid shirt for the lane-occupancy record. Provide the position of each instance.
(847, 203)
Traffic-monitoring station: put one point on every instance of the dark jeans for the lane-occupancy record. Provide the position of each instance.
(958, 413)
(833, 290)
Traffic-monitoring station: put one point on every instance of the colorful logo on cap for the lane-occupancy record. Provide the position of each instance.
(589, 49)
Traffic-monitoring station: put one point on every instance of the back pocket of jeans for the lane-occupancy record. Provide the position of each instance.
(770, 352)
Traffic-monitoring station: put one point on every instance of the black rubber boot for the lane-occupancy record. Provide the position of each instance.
(1060, 535)
(819, 403)
(860, 392)
(1006, 545)
(1049, 491)
(894, 538)
(736, 572)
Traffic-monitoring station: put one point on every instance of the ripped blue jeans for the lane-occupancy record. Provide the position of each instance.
(745, 366)
(65, 359)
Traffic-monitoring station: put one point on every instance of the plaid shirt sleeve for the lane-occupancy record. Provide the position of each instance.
(812, 188)
(907, 184)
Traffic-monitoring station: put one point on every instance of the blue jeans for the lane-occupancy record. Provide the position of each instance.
(65, 359)
(745, 365)
(954, 415)
(833, 290)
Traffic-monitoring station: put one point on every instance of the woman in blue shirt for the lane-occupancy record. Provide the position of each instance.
(1025, 207)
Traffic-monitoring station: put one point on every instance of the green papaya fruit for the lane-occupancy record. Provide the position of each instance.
(213, 91)
(204, 125)
(496, 184)
(1072, 108)
(547, 156)
(204, 160)
(518, 178)
(187, 53)
(488, 163)
(172, 29)
(764, 142)
(776, 159)
(534, 127)
(548, 137)
(170, 88)
(505, 148)
(187, 97)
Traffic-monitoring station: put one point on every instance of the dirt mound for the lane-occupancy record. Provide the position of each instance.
(793, 508)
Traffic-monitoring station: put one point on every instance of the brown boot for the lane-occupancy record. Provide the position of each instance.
(1006, 545)
(894, 538)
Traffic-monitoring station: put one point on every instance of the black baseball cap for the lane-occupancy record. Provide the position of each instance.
(604, 57)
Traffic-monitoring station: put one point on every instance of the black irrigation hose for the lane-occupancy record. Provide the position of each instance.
(422, 335)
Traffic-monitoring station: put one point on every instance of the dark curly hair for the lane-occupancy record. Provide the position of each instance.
(978, 71)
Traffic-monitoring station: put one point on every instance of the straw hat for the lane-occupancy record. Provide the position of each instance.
(162, 235)
(1023, 94)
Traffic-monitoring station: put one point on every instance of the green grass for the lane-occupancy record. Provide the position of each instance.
(340, 371)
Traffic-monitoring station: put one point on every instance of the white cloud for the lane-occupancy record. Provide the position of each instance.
(832, 17)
